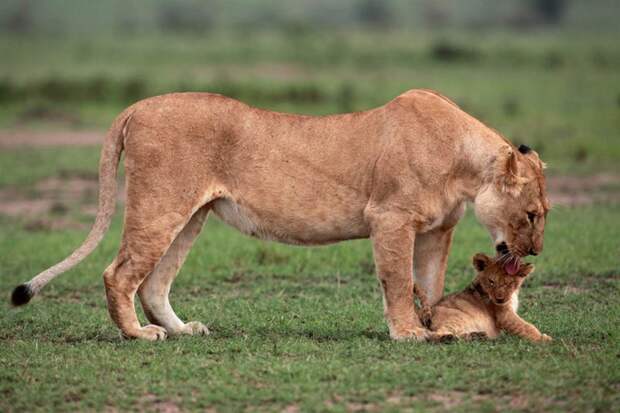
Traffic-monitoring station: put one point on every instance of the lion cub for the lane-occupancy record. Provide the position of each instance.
(484, 309)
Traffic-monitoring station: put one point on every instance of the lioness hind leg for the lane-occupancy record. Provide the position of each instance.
(155, 289)
(141, 249)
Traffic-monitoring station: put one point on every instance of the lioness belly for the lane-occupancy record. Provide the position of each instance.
(289, 227)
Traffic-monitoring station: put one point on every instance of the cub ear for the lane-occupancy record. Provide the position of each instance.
(507, 171)
(480, 261)
(526, 269)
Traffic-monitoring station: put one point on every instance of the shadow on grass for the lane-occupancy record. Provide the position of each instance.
(320, 336)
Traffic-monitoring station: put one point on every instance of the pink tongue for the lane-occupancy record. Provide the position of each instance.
(512, 266)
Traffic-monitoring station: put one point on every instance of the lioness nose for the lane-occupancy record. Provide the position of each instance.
(502, 248)
(532, 252)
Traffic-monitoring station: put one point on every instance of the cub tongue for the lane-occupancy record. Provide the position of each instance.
(512, 266)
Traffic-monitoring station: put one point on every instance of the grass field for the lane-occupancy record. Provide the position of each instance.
(304, 328)
(301, 329)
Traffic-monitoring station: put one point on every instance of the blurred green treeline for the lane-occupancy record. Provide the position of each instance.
(544, 72)
(200, 16)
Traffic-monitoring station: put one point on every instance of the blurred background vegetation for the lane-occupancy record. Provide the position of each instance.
(544, 72)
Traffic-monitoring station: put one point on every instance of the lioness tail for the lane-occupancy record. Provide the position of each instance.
(108, 167)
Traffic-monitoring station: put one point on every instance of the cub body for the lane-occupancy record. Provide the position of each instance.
(485, 308)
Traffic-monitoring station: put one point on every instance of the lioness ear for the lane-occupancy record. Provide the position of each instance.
(480, 261)
(526, 270)
(507, 171)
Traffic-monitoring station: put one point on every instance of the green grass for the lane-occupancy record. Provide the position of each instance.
(304, 327)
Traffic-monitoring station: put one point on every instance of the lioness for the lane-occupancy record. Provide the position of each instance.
(484, 309)
(400, 174)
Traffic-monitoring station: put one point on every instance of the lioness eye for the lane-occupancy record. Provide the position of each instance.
(491, 282)
(531, 216)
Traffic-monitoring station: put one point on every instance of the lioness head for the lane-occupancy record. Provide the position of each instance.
(495, 281)
(513, 204)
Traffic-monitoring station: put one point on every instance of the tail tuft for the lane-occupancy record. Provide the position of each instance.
(21, 295)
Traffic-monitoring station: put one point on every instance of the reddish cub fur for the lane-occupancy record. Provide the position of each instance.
(484, 309)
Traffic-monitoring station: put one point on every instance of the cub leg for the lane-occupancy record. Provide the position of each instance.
(430, 261)
(510, 321)
(449, 324)
(393, 239)
(141, 249)
(155, 289)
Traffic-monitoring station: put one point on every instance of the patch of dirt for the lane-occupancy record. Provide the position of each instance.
(570, 190)
(55, 203)
(152, 403)
(12, 139)
(291, 408)
(518, 402)
(451, 399)
(446, 400)
(363, 407)
(48, 114)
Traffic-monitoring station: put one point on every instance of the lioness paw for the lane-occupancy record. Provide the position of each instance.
(412, 334)
(194, 328)
(150, 332)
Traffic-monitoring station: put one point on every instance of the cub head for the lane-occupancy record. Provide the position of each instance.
(513, 204)
(495, 281)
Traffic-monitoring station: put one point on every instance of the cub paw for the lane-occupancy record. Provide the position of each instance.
(442, 338)
(546, 338)
(426, 316)
(476, 335)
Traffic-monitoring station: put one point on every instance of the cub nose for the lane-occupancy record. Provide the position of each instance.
(532, 252)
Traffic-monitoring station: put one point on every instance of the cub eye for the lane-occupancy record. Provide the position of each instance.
(531, 216)
(491, 282)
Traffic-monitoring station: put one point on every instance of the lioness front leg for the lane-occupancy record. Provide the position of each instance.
(430, 261)
(393, 238)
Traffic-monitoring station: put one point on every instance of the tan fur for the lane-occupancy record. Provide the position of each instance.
(483, 309)
(400, 174)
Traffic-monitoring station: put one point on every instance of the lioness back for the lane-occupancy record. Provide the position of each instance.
(273, 173)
